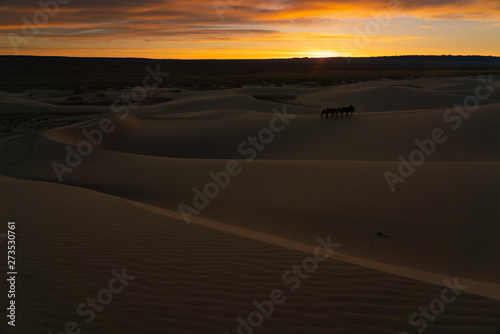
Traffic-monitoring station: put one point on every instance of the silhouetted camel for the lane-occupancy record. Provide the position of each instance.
(351, 109)
(344, 110)
(336, 111)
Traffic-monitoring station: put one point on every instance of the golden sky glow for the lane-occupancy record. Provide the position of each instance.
(249, 28)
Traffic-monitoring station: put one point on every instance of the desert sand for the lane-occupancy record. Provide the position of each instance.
(315, 178)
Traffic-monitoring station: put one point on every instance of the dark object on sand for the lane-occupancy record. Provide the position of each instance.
(336, 111)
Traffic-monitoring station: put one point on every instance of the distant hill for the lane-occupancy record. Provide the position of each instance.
(23, 72)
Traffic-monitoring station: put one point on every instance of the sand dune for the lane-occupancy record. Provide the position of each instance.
(317, 177)
(189, 278)
(374, 137)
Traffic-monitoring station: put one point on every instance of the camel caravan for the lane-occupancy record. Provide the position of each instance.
(337, 111)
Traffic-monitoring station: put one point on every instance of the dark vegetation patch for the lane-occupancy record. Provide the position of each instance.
(25, 123)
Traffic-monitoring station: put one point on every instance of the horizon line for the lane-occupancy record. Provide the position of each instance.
(241, 59)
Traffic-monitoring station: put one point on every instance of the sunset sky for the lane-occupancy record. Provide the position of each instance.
(250, 28)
